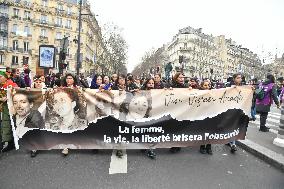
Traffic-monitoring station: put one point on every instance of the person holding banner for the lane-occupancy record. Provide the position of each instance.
(205, 85)
(97, 82)
(6, 135)
(150, 85)
(70, 81)
(178, 82)
(237, 81)
(158, 83)
(121, 85)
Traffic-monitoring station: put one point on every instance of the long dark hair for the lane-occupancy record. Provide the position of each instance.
(94, 81)
(120, 75)
(144, 87)
(64, 83)
(270, 78)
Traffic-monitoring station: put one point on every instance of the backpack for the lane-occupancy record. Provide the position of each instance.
(260, 93)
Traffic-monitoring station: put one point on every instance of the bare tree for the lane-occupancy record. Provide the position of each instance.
(115, 58)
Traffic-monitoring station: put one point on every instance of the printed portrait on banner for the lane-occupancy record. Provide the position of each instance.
(136, 106)
(66, 109)
(99, 104)
(28, 110)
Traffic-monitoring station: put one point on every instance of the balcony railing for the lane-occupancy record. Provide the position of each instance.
(58, 25)
(4, 15)
(3, 48)
(16, 17)
(68, 27)
(27, 19)
(43, 22)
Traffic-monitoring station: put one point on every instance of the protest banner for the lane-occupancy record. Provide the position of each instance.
(91, 119)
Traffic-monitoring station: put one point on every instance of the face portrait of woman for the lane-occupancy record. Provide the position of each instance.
(180, 79)
(99, 80)
(106, 80)
(157, 78)
(121, 81)
(138, 107)
(70, 80)
(63, 104)
(205, 85)
(150, 84)
(42, 78)
(38, 84)
(238, 80)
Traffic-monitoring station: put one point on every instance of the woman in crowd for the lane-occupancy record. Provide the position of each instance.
(38, 83)
(194, 83)
(263, 105)
(158, 82)
(106, 84)
(68, 81)
(237, 81)
(121, 85)
(178, 82)
(131, 86)
(205, 85)
(149, 85)
(96, 82)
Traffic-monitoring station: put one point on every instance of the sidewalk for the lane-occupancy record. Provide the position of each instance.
(261, 145)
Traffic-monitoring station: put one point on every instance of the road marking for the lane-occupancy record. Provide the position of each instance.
(277, 121)
(275, 130)
(275, 113)
(274, 116)
(118, 165)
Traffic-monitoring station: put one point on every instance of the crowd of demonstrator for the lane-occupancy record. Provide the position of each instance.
(265, 92)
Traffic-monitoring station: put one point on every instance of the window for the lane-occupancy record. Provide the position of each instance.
(56, 64)
(26, 46)
(15, 60)
(27, 15)
(27, 30)
(185, 45)
(3, 41)
(59, 21)
(25, 60)
(15, 45)
(60, 7)
(2, 58)
(15, 28)
(44, 3)
(43, 33)
(16, 12)
(58, 35)
(68, 24)
(58, 49)
(69, 10)
(43, 19)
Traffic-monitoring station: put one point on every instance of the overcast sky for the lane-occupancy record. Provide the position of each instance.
(255, 24)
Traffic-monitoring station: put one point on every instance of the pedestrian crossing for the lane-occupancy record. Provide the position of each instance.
(273, 121)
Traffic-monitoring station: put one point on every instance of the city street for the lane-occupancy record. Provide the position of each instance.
(187, 169)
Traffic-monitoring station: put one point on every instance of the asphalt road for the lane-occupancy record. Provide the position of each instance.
(187, 169)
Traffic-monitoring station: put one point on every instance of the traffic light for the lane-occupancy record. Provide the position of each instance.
(63, 66)
(180, 60)
(62, 55)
